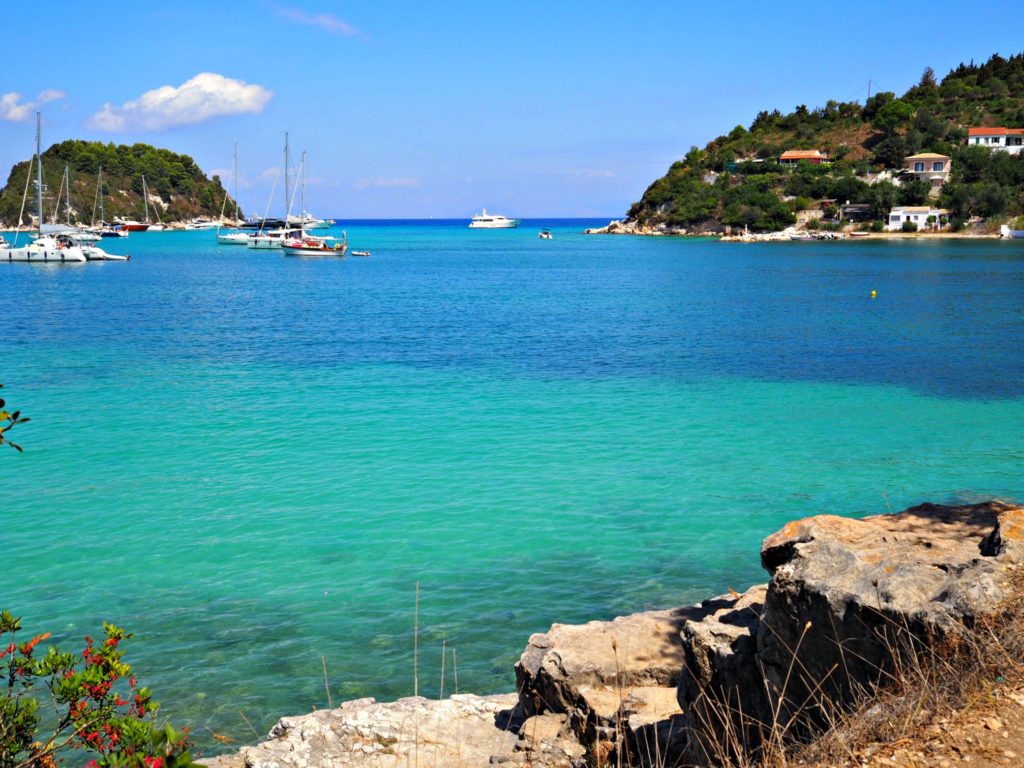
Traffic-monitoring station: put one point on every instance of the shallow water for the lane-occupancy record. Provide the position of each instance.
(251, 460)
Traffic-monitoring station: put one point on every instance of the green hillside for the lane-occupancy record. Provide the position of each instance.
(181, 186)
(752, 190)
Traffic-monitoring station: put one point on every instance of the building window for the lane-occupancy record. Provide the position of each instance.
(918, 167)
(938, 166)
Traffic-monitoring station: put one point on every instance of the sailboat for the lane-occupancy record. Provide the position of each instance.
(45, 248)
(310, 245)
(273, 238)
(237, 237)
(159, 226)
(104, 229)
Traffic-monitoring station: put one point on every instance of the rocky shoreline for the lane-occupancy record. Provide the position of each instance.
(690, 685)
(734, 235)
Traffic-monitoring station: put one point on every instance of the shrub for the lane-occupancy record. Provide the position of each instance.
(97, 706)
(909, 226)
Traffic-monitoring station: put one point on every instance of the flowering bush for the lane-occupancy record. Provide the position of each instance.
(98, 706)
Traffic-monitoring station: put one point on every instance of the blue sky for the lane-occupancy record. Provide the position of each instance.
(412, 109)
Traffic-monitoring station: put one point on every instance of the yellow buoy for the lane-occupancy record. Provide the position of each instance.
(874, 294)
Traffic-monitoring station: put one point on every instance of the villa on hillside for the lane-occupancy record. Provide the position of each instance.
(929, 167)
(1002, 139)
(917, 214)
(793, 156)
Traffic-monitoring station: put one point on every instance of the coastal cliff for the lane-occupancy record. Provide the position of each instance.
(849, 603)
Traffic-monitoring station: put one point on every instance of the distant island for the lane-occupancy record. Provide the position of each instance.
(178, 189)
(944, 155)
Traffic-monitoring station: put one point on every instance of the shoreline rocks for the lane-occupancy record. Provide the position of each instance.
(692, 685)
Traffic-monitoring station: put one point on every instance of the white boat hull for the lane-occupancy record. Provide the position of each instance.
(40, 255)
(508, 224)
(234, 238)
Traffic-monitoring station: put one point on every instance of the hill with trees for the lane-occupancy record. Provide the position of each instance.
(736, 180)
(177, 187)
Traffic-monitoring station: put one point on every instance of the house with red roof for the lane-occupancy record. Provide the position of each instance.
(793, 156)
(1001, 139)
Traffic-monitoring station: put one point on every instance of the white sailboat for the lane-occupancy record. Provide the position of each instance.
(150, 226)
(45, 248)
(264, 239)
(237, 237)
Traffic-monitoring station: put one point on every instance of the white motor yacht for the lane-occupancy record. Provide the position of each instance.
(487, 220)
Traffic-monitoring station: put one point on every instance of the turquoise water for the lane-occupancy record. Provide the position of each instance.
(250, 460)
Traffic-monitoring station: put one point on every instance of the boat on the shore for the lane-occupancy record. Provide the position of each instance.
(487, 220)
(1015, 234)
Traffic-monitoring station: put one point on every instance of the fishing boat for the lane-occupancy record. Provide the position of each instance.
(45, 248)
(487, 220)
(359, 253)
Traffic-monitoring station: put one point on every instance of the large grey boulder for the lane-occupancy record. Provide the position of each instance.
(846, 598)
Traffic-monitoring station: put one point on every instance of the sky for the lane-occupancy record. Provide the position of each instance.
(418, 110)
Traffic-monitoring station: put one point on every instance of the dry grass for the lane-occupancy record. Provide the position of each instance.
(923, 681)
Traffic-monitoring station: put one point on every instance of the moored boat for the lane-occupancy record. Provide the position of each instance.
(45, 247)
(487, 220)
(310, 245)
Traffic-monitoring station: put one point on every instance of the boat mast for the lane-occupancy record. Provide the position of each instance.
(39, 170)
(67, 180)
(99, 191)
(236, 184)
(145, 195)
(302, 198)
(287, 198)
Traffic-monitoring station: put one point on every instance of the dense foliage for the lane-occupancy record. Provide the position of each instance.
(96, 706)
(751, 189)
(182, 188)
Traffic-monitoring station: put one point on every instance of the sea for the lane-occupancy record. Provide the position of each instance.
(279, 471)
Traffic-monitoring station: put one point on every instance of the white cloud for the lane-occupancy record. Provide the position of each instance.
(325, 21)
(205, 96)
(381, 182)
(12, 108)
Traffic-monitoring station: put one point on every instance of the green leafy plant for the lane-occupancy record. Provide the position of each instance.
(97, 706)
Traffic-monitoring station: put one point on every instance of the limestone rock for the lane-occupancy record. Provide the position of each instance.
(614, 680)
(849, 592)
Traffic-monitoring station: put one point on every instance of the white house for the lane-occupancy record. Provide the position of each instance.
(918, 214)
(930, 167)
(1002, 139)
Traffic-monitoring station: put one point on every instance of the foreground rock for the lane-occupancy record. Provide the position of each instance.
(696, 685)
(464, 730)
(845, 596)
